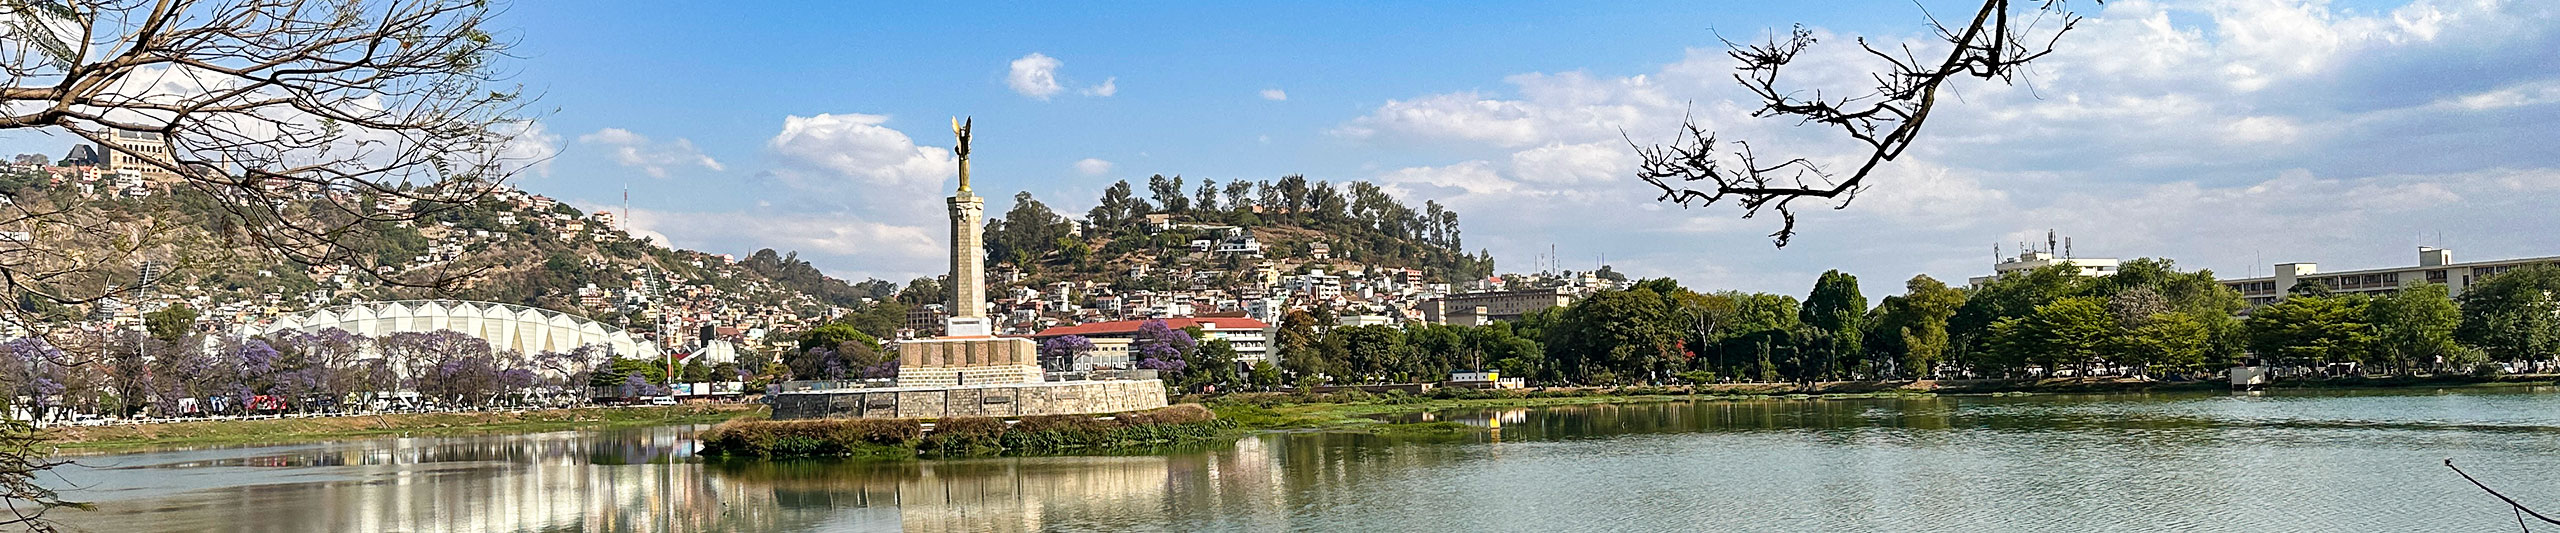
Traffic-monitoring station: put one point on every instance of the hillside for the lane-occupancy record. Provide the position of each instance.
(1222, 231)
(509, 246)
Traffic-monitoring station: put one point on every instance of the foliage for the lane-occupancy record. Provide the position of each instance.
(2066, 332)
(2306, 329)
(170, 323)
(2515, 315)
(2414, 328)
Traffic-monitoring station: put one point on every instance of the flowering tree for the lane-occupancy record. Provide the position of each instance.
(35, 373)
(1160, 347)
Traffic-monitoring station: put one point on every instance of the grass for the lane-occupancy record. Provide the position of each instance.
(126, 438)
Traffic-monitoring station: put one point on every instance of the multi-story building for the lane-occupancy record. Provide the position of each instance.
(2034, 259)
(1251, 339)
(135, 146)
(2435, 265)
(1482, 307)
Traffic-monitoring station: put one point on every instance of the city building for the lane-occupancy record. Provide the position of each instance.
(2035, 259)
(150, 145)
(1251, 339)
(2435, 265)
(1487, 306)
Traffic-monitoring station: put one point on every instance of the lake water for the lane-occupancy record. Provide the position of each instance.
(2178, 462)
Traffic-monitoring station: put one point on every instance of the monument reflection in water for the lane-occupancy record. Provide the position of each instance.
(634, 480)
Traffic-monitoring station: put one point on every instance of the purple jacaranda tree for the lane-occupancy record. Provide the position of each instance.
(880, 370)
(444, 364)
(1162, 348)
(635, 385)
(34, 372)
(329, 363)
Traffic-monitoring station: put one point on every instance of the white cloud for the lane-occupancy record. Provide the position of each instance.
(1035, 75)
(1275, 95)
(1092, 167)
(1573, 163)
(845, 245)
(529, 147)
(856, 149)
(2153, 131)
(653, 158)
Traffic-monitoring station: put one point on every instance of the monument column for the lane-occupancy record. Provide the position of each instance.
(968, 251)
(968, 220)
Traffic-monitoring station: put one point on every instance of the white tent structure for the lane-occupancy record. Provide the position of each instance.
(527, 330)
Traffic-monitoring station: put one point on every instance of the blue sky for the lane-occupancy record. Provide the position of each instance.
(2225, 133)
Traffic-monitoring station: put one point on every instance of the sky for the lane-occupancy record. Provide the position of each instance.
(2225, 134)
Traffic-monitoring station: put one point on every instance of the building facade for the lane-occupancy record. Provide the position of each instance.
(2031, 260)
(1251, 339)
(1482, 307)
(2435, 265)
(135, 147)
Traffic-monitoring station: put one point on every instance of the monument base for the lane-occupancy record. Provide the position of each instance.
(1015, 400)
(956, 361)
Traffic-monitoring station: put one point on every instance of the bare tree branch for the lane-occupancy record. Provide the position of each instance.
(1694, 171)
(2520, 509)
(295, 116)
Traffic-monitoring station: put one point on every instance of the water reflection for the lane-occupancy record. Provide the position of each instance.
(2277, 462)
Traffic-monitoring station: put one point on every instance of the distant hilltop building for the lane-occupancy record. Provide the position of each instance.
(151, 145)
(2435, 265)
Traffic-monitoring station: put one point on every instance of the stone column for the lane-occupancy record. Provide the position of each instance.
(968, 256)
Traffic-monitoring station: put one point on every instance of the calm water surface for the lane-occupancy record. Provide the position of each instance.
(2186, 462)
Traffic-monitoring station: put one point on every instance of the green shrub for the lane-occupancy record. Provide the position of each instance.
(803, 438)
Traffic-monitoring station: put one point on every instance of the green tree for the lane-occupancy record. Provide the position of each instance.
(2513, 316)
(170, 323)
(1027, 232)
(2311, 330)
(1911, 329)
(1213, 366)
(2414, 327)
(2012, 295)
(1265, 375)
(1613, 332)
(1299, 346)
(2175, 342)
(2067, 332)
(1837, 309)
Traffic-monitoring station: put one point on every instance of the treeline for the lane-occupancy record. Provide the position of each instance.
(1359, 220)
(2148, 319)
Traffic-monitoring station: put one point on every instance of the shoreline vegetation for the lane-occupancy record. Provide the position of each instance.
(88, 440)
(1198, 419)
(877, 438)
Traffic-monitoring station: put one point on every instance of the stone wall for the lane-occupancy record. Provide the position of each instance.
(1029, 399)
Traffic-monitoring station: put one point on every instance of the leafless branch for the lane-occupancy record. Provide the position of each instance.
(2520, 509)
(294, 116)
(1694, 171)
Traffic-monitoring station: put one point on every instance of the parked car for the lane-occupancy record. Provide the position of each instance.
(662, 400)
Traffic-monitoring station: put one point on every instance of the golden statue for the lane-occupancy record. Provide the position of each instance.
(960, 128)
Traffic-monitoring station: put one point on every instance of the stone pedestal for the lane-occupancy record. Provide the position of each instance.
(950, 361)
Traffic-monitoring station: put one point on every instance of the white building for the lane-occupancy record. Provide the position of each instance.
(2031, 260)
(2435, 265)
